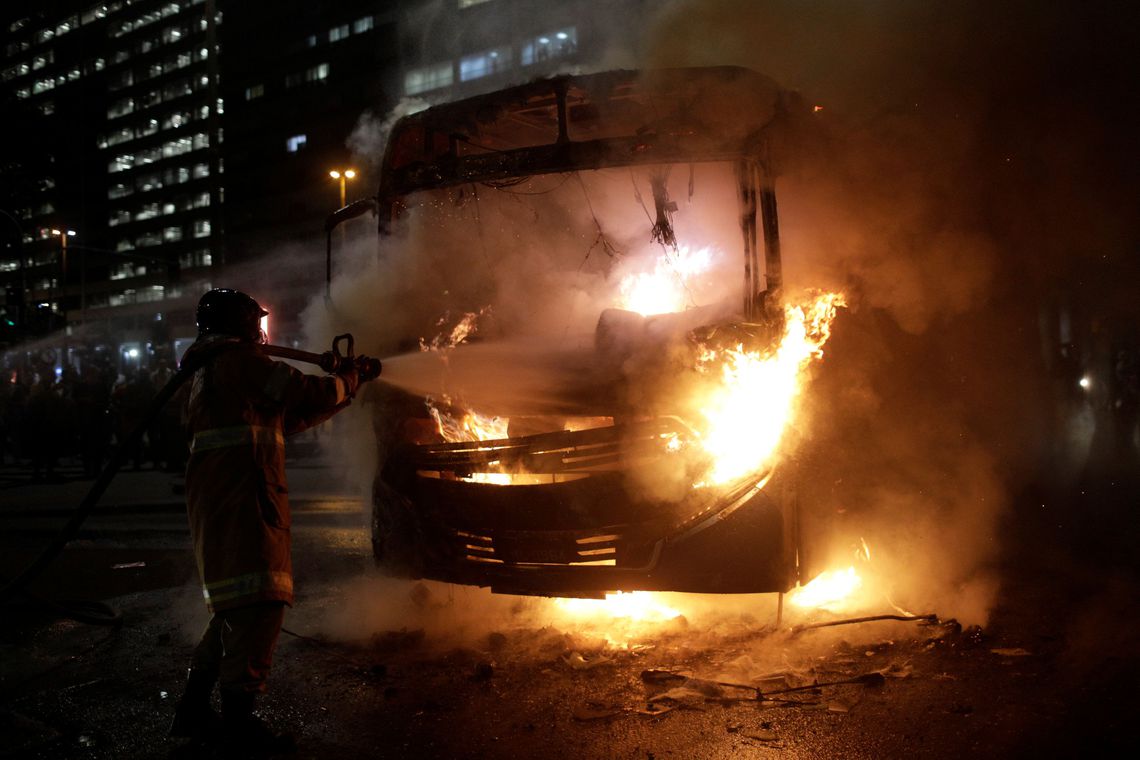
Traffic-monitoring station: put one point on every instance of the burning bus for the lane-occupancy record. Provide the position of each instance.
(628, 430)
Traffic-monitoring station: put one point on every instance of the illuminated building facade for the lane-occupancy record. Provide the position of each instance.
(189, 142)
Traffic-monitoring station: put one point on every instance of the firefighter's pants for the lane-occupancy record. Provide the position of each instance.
(237, 646)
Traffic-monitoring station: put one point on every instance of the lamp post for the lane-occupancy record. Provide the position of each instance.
(343, 176)
(63, 236)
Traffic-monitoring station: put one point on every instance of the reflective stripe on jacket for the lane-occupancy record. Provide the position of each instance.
(238, 435)
(240, 407)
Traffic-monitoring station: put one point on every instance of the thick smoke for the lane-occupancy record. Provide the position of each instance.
(940, 193)
(955, 172)
(370, 135)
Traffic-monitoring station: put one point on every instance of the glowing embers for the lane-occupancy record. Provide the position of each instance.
(749, 401)
(668, 286)
(637, 606)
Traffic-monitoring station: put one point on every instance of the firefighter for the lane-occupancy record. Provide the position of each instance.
(240, 407)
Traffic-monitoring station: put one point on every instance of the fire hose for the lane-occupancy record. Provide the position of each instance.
(97, 613)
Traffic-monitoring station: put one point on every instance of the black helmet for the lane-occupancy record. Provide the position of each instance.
(230, 312)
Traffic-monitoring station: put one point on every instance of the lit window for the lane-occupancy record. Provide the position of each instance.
(167, 208)
(121, 108)
(201, 141)
(119, 191)
(295, 143)
(200, 171)
(123, 135)
(256, 91)
(338, 33)
(426, 78)
(317, 73)
(172, 234)
(362, 25)
(152, 293)
(311, 40)
(127, 269)
(201, 228)
(118, 217)
(484, 64)
(121, 163)
(468, 3)
(198, 258)
(148, 182)
(545, 47)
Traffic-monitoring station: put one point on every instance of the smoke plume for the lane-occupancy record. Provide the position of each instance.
(939, 194)
(954, 172)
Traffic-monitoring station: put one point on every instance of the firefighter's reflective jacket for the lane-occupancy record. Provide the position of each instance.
(240, 407)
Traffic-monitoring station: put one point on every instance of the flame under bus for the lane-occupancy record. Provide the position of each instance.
(553, 512)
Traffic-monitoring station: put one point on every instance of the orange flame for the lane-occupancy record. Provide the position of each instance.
(749, 408)
(636, 606)
(666, 288)
(470, 426)
(826, 589)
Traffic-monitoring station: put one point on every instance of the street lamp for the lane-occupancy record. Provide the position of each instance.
(343, 176)
(63, 236)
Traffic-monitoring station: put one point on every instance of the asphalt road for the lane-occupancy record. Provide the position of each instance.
(398, 669)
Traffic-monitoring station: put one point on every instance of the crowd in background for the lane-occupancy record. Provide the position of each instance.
(48, 417)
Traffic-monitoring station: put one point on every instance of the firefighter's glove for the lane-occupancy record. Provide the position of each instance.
(350, 377)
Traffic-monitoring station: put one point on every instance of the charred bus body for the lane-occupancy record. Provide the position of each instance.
(548, 505)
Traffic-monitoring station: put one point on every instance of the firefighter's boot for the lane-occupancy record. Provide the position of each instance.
(246, 735)
(194, 718)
